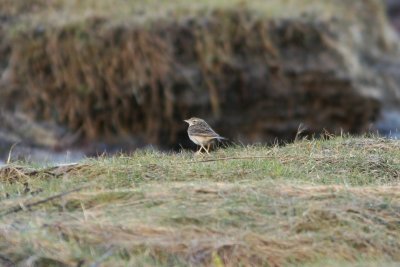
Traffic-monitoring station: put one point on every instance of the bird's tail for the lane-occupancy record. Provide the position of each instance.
(219, 138)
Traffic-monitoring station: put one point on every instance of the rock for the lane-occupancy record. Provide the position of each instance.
(26, 139)
(388, 124)
(393, 8)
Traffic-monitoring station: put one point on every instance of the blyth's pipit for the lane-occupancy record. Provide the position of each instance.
(201, 134)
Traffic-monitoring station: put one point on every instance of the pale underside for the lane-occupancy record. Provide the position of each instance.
(201, 140)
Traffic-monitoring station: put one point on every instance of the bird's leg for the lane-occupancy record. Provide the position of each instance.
(199, 151)
(205, 149)
(208, 147)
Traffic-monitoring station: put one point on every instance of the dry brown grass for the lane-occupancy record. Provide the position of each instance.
(199, 224)
(253, 206)
(134, 69)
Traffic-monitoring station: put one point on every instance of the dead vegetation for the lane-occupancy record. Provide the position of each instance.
(107, 77)
(247, 206)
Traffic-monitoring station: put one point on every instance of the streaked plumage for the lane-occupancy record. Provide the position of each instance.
(201, 133)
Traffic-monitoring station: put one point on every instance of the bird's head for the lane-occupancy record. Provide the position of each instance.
(193, 121)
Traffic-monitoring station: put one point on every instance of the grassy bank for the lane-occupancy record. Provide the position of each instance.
(155, 63)
(306, 203)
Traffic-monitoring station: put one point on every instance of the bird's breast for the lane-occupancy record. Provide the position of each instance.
(200, 140)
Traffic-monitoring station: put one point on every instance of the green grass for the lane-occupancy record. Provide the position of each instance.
(310, 203)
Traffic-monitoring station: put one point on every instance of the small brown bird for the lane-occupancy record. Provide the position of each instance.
(201, 133)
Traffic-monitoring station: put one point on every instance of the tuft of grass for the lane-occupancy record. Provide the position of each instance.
(309, 203)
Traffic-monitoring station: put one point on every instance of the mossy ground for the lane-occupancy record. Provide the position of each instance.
(309, 203)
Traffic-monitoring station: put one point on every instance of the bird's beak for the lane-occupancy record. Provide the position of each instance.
(186, 121)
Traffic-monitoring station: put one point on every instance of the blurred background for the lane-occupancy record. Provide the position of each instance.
(83, 77)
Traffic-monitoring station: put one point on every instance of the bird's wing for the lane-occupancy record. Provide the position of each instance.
(202, 129)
